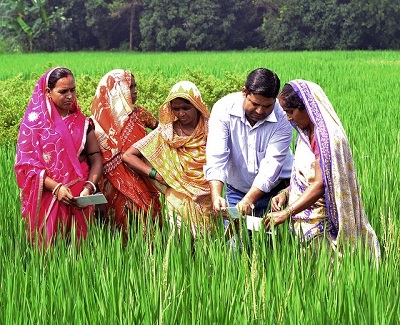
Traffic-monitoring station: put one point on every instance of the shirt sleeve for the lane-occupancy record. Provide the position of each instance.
(277, 157)
(217, 150)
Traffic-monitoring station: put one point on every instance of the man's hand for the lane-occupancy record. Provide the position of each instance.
(219, 204)
(245, 207)
(278, 201)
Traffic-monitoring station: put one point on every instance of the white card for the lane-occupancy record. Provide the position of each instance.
(97, 198)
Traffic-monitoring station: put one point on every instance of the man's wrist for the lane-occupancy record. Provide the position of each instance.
(246, 200)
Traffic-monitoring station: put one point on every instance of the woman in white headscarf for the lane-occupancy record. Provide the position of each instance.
(324, 196)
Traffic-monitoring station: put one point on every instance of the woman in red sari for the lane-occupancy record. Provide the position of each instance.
(119, 124)
(57, 159)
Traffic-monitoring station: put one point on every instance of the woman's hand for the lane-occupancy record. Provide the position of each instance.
(278, 201)
(85, 192)
(275, 218)
(64, 195)
(160, 179)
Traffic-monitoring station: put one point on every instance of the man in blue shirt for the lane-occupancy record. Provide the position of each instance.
(248, 146)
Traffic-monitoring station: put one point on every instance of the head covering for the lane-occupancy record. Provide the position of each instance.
(180, 159)
(182, 89)
(111, 109)
(345, 210)
(49, 145)
(117, 127)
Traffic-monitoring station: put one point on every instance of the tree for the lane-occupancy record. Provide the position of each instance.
(26, 20)
(182, 25)
(173, 25)
(130, 8)
(333, 25)
(70, 30)
(100, 22)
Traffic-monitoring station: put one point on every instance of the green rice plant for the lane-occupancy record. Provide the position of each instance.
(168, 277)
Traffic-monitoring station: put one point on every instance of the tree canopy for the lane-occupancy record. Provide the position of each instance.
(201, 25)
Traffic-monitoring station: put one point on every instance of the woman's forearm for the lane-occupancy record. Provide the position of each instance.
(132, 157)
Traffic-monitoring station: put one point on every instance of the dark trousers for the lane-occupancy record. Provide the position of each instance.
(233, 196)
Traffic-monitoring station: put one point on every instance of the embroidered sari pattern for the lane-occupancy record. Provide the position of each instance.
(119, 124)
(49, 145)
(345, 212)
(311, 222)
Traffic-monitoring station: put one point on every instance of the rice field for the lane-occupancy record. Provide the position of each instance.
(172, 279)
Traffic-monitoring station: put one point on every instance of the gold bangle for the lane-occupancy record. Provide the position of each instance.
(284, 191)
(289, 212)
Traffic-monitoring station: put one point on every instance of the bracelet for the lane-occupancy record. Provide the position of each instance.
(284, 191)
(289, 212)
(56, 188)
(153, 173)
(93, 186)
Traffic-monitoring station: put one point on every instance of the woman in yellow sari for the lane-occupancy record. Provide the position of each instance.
(174, 154)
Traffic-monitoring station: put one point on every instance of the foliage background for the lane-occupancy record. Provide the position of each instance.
(201, 25)
(167, 279)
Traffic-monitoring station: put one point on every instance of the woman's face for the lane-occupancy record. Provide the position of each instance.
(184, 111)
(63, 94)
(133, 90)
(300, 118)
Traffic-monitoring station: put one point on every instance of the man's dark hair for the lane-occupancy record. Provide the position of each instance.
(263, 82)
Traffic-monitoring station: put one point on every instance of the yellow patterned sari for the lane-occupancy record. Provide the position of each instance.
(180, 159)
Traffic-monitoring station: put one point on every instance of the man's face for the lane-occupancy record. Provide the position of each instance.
(257, 107)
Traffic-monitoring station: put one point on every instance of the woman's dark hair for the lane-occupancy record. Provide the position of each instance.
(263, 82)
(56, 75)
(290, 99)
(187, 101)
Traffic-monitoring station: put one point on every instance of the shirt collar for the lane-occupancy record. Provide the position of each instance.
(237, 110)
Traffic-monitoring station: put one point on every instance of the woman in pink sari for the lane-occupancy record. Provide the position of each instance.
(58, 159)
(324, 198)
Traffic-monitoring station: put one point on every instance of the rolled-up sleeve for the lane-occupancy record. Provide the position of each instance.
(217, 150)
(277, 162)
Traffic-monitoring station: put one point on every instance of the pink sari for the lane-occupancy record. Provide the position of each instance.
(49, 145)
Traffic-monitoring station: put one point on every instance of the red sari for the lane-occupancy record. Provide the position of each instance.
(118, 125)
(49, 145)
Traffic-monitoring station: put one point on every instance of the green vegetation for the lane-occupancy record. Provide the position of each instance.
(201, 25)
(168, 281)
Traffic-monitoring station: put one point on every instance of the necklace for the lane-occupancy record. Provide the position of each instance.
(182, 131)
(66, 115)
